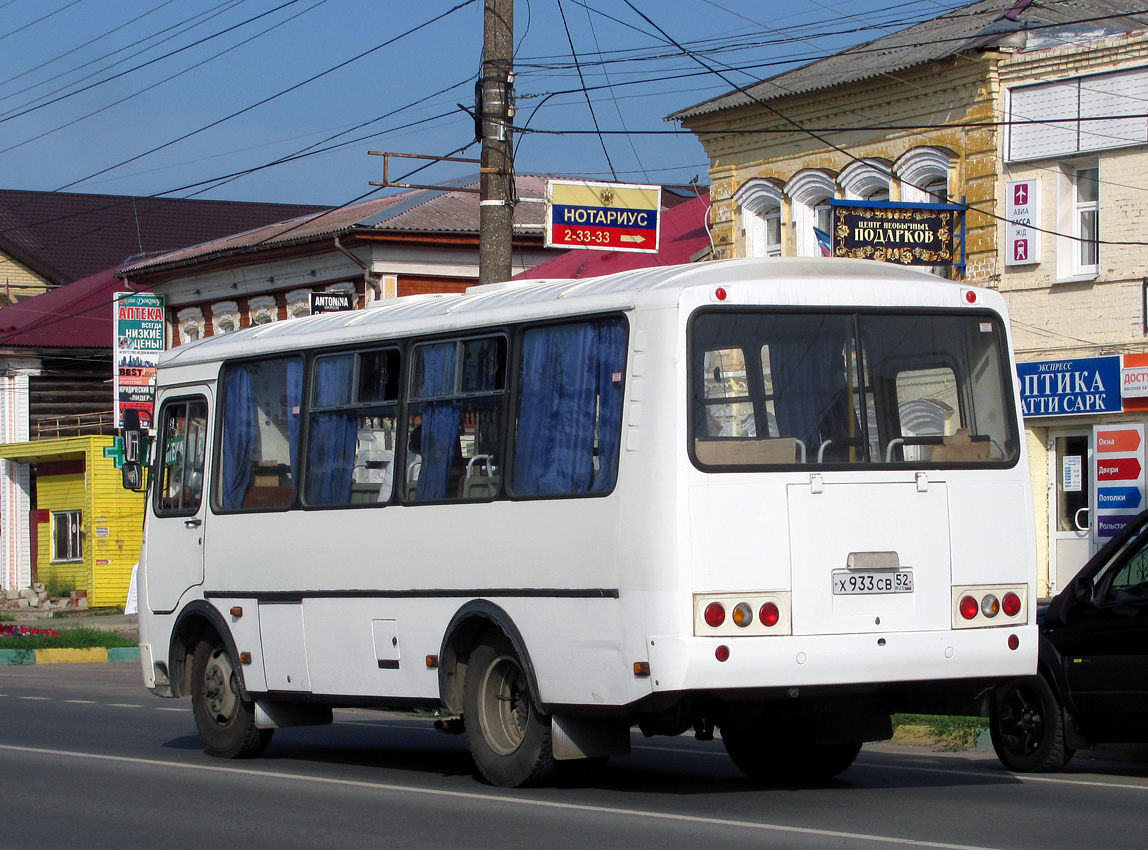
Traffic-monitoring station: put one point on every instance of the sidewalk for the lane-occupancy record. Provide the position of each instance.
(126, 625)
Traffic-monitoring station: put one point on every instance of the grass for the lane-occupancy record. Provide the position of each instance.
(78, 638)
(7, 618)
(955, 732)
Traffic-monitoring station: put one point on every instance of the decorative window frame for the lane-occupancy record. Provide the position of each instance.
(187, 321)
(262, 310)
(921, 168)
(224, 312)
(760, 202)
(808, 190)
(298, 303)
(862, 179)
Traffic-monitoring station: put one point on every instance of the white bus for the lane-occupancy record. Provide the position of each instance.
(780, 499)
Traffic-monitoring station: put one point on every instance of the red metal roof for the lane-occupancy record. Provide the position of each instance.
(684, 234)
(64, 236)
(76, 315)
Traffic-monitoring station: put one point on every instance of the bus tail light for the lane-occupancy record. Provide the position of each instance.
(980, 606)
(769, 614)
(752, 613)
(742, 615)
(715, 615)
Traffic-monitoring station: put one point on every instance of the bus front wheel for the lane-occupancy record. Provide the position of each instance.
(510, 740)
(225, 720)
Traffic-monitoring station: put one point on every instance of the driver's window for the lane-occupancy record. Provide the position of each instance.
(183, 444)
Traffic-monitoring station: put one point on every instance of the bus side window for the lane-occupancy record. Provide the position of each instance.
(182, 449)
(351, 438)
(260, 443)
(569, 413)
(455, 430)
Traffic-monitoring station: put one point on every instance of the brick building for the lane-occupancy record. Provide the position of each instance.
(1031, 113)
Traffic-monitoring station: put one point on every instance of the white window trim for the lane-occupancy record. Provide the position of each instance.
(298, 303)
(920, 167)
(187, 320)
(221, 311)
(860, 180)
(72, 558)
(807, 190)
(1068, 267)
(1079, 208)
(759, 201)
(262, 309)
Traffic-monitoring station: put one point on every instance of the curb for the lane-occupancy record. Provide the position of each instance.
(19, 657)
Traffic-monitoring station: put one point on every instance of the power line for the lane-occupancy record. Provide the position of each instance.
(585, 91)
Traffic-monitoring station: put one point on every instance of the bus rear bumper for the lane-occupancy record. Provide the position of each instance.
(692, 663)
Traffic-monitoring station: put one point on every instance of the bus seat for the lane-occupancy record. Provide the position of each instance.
(962, 447)
(746, 452)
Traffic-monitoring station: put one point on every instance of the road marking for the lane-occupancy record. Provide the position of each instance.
(499, 798)
(1020, 777)
(81, 701)
(173, 709)
(123, 705)
(38, 699)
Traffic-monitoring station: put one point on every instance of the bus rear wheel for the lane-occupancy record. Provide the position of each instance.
(225, 720)
(770, 759)
(510, 740)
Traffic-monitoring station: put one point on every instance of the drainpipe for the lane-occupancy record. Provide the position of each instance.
(372, 281)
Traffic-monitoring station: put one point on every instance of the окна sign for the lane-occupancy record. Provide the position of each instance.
(1070, 387)
(910, 234)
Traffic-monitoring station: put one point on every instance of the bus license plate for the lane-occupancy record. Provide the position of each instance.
(856, 582)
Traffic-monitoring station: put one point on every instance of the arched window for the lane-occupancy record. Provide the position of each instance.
(262, 309)
(924, 175)
(760, 204)
(810, 192)
(866, 180)
(224, 317)
(189, 324)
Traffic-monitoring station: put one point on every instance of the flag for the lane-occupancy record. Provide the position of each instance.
(823, 242)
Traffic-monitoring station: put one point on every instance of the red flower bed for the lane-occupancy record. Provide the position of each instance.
(13, 630)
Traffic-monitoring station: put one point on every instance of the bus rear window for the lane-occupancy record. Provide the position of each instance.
(840, 389)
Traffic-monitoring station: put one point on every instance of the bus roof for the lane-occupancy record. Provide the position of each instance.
(518, 300)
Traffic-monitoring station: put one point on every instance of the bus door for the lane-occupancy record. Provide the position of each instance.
(178, 507)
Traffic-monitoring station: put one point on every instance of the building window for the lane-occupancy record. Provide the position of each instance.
(923, 174)
(224, 317)
(810, 192)
(189, 324)
(262, 309)
(760, 204)
(866, 181)
(67, 536)
(1086, 219)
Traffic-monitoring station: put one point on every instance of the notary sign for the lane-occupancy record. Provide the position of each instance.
(909, 234)
(602, 216)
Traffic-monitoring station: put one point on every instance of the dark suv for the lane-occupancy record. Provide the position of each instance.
(1092, 684)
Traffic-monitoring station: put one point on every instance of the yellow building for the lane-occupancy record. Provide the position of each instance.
(86, 529)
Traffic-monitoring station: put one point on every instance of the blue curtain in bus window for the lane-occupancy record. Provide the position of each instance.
(567, 377)
(611, 363)
(809, 384)
(240, 437)
(440, 419)
(294, 404)
(331, 453)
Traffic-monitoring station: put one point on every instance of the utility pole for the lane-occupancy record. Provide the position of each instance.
(496, 215)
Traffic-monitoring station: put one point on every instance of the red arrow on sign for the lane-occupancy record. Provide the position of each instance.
(1118, 469)
(1123, 440)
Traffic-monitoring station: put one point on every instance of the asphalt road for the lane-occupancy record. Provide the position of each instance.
(88, 759)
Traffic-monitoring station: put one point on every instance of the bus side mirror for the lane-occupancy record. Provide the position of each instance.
(132, 475)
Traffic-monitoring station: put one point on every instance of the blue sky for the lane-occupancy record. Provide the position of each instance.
(90, 100)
